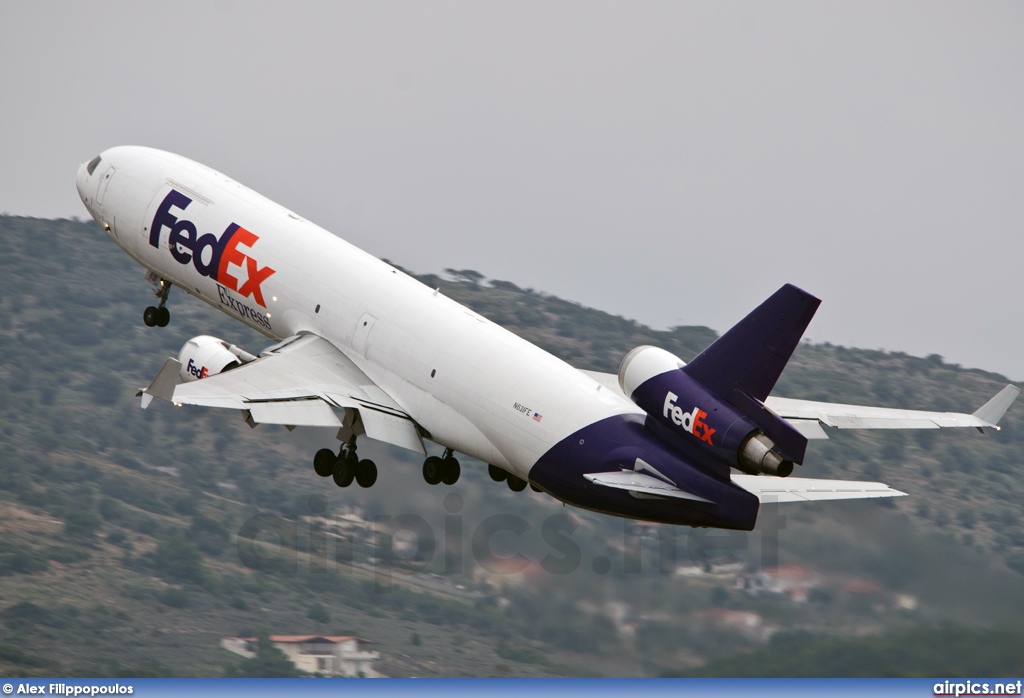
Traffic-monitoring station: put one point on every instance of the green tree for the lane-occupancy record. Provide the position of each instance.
(111, 509)
(209, 534)
(318, 613)
(269, 663)
(178, 559)
(82, 524)
(467, 276)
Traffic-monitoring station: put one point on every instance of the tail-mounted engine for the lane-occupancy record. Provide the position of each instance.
(205, 356)
(739, 431)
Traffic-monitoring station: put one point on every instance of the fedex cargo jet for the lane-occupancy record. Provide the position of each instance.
(364, 349)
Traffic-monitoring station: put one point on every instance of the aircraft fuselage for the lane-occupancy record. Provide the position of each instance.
(471, 385)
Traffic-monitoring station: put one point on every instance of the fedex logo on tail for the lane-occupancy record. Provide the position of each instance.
(211, 256)
(691, 422)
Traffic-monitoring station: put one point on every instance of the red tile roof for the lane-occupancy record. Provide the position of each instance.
(306, 638)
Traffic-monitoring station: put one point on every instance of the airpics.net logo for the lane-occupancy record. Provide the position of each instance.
(977, 688)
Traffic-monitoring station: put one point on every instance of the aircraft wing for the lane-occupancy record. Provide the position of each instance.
(769, 489)
(808, 416)
(297, 382)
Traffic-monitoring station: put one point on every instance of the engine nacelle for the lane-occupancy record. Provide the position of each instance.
(205, 356)
(686, 413)
(642, 364)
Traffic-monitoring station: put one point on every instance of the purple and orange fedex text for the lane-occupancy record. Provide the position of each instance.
(187, 245)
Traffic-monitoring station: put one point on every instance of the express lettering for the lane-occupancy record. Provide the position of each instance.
(691, 422)
(196, 371)
(241, 308)
(210, 255)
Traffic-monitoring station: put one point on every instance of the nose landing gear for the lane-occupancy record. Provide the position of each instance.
(158, 316)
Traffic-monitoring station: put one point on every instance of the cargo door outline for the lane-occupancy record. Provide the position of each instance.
(101, 192)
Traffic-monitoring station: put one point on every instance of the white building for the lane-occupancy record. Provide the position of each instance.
(796, 583)
(330, 655)
(748, 623)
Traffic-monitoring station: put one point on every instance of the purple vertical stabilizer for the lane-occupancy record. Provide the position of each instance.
(750, 357)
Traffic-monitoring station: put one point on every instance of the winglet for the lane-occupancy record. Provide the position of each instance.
(993, 410)
(164, 383)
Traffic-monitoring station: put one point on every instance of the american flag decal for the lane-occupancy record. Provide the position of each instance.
(537, 417)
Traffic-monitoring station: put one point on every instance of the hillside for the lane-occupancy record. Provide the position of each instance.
(133, 540)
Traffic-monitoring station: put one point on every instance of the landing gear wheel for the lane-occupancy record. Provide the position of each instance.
(366, 473)
(433, 470)
(323, 462)
(343, 473)
(497, 474)
(516, 484)
(451, 471)
(158, 315)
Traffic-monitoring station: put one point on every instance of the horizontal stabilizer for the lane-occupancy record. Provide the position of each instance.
(803, 414)
(810, 428)
(808, 416)
(641, 485)
(769, 489)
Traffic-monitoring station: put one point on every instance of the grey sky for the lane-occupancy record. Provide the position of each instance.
(671, 162)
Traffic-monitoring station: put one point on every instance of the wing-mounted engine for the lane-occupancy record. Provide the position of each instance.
(688, 414)
(205, 356)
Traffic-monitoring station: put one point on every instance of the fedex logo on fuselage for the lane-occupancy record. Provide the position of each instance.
(691, 422)
(210, 255)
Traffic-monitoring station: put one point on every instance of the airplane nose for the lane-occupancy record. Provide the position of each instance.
(80, 180)
(83, 180)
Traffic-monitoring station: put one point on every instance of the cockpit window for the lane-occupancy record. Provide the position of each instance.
(91, 167)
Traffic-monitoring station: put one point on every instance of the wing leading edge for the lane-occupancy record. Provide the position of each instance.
(297, 382)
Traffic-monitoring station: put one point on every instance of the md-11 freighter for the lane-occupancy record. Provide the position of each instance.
(366, 350)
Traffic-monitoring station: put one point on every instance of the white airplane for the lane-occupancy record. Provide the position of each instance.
(364, 349)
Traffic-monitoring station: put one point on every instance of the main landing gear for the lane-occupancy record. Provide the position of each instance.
(158, 316)
(345, 466)
(444, 469)
(514, 482)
